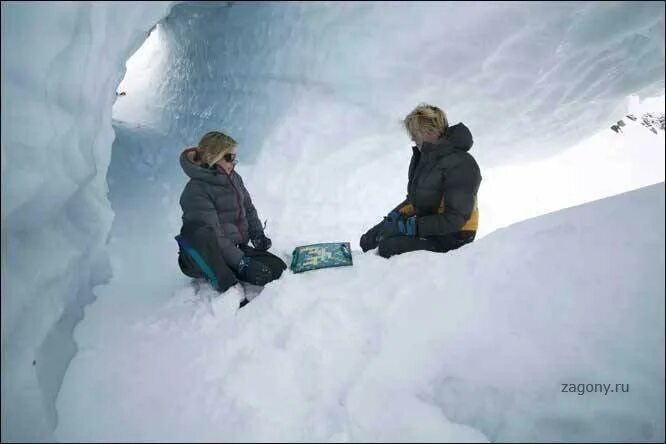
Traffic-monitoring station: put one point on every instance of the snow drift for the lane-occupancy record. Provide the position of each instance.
(473, 345)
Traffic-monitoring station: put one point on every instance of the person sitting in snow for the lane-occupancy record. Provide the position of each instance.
(440, 212)
(219, 220)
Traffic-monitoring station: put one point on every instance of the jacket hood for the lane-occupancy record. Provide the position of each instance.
(457, 137)
(191, 164)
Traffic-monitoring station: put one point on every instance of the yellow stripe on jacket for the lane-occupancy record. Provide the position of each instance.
(472, 223)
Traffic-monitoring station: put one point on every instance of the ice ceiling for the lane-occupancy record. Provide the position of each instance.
(528, 78)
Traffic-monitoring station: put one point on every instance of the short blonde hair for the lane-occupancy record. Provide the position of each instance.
(214, 145)
(426, 120)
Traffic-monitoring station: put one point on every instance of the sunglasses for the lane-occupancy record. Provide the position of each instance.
(229, 157)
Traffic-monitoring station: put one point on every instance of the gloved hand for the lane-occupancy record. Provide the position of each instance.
(253, 271)
(370, 239)
(262, 243)
(396, 224)
(368, 242)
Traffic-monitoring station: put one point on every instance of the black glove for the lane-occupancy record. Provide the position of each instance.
(370, 239)
(254, 272)
(262, 243)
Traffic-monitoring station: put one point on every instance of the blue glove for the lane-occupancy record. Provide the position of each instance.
(396, 224)
(262, 243)
(408, 226)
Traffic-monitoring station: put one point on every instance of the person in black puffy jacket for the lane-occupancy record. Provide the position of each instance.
(440, 211)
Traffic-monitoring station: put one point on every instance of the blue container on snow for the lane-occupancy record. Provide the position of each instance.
(316, 256)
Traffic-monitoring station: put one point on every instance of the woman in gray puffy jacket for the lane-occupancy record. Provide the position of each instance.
(219, 220)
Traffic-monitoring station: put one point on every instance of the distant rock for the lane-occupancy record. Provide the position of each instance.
(651, 121)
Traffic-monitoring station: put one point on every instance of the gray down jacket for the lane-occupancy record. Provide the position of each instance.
(213, 199)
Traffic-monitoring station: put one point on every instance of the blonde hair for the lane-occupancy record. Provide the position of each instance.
(426, 120)
(214, 145)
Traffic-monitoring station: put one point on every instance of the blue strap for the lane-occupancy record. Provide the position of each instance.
(201, 263)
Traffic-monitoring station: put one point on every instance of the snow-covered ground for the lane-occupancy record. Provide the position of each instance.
(473, 345)
(469, 346)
